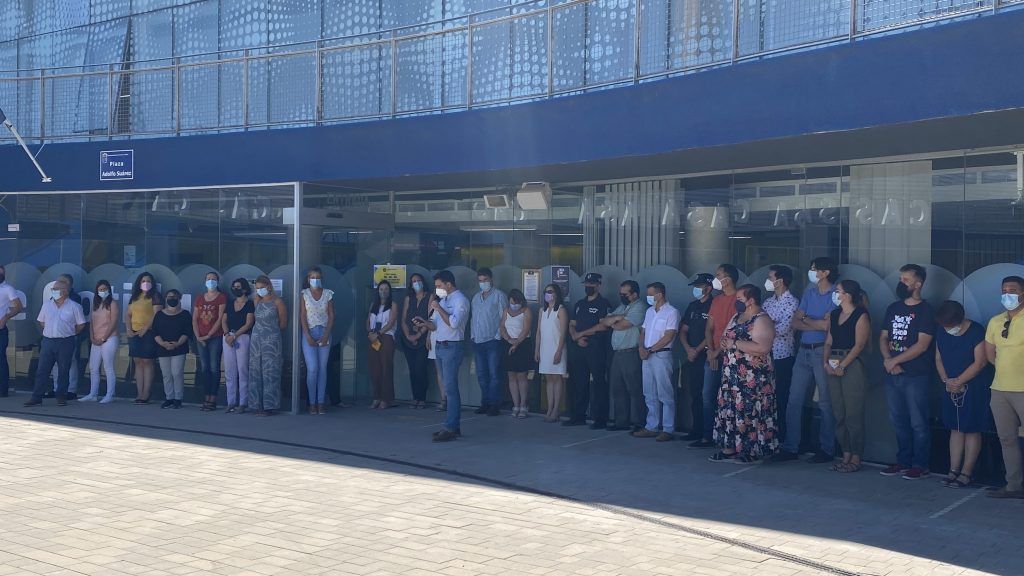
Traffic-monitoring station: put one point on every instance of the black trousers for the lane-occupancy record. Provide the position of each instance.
(588, 373)
(695, 380)
(418, 376)
(783, 377)
(627, 384)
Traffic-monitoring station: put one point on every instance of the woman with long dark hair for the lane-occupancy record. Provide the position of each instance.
(849, 336)
(549, 351)
(103, 334)
(380, 328)
(207, 324)
(238, 321)
(143, 305)
(172, 329)
(516, 329)
(415, 335)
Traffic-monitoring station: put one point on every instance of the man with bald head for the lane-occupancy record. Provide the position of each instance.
(60, 320)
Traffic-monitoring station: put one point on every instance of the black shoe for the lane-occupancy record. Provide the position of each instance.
(633, 429)
(782, 456)
(481, 410)
(167, 404)
(702, 443)
(50, 394)
(598, 425)
(177, 404)
(445, 436)
(32, 403)
(438, 433)
(494, 410)
(819, 458)
(62, 400)
(71, 396)
(617, 428)
(692, 437)
(574, 422)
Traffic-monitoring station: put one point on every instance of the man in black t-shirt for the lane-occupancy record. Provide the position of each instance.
(906, 346)
(588, 357)
(691, 336)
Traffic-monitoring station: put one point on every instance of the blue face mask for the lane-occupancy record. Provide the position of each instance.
(417, 286)
(314, 282)
(1010, 301)
(485, 286)
(211, 284)
(650, 300)
(697, 292)
(515, 307)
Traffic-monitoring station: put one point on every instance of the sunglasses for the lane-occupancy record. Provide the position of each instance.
(1006, 329)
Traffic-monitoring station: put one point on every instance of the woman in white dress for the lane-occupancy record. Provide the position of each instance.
(550, 349)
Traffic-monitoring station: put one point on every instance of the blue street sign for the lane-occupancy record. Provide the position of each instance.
(117, 165)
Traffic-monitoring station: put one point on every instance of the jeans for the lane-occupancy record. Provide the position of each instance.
(709, 399)
(419, 381)
(488, 361)
(236, 370)
(172, 368)
(53, 352)
(5, 367)
(808, 373)
(316, 365)
(908, 409)
(627, 383)
(783, 378)
(659, 393)
(449, 355)
(588, 372)
(72, 372)
(103, 354)
(209, 365)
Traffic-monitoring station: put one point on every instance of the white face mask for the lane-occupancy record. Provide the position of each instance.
(103, 294)
(1010, 301)
(812, 276)
(417, 286)
(954, 331)
(145, 286)
(769, 286)
(441, 293)
(836, 301)
(485, 286)
(716, 284)
(697, 292)
(650, 300)
(55, 294)
(515, 307)
(262, 292)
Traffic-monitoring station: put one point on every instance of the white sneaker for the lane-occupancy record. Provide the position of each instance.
(107, 400)
(89, 398)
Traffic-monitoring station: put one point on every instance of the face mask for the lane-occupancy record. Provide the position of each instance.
(262, 292)
(314, 282)
(741, 307)
(697, 292)
(55, 294)
(485, 286)
(146, 286)
(769, 286)
(1010, 301)
(716, 284)
(650, 300)
(835, 299)
(238, 292)
(417, 286)
(515, 307)
(549, 298)
(441, 293)
(211, 285)
(173, 302)
(812, 276)
(589, 290)
(103, 294)
(624, 300)
(954, 331)
(903, 291)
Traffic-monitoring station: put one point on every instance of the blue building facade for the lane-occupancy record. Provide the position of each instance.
(268, 136)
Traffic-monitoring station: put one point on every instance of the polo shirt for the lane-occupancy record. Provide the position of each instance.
(658, 322)
(60, 321)
(634, 312)
(1009, 352)
(696, 320)
(816, 306)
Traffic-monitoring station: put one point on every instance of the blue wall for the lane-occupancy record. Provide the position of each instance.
(952, 70)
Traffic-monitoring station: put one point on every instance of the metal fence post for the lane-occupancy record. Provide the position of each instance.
(853, 19)
(177, 96)
(245, 90)
(735, 30)
(636, 39)
(551, 50)
(394, 74)
(110, 101)
(42, 104)
(318, 103)
(469, 66)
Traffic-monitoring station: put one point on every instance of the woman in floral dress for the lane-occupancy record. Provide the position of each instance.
(745, 426)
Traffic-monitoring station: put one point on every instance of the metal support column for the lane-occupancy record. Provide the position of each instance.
(296, 294)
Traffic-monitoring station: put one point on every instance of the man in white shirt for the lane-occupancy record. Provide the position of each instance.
(61, 320)
(451, 309)
(657, 334)
(10, 306)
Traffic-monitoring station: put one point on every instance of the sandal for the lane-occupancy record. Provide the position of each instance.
(951, 477)
(443, 406)
(722, 457)
(958, 483)
(849, 467)
(230, 410)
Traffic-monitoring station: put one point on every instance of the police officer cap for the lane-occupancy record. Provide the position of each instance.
(592, 278)
(702, 279)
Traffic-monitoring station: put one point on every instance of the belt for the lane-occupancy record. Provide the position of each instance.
(840, 352)
(633, 349)
(59, 337)
(660, 351)
(449, 342)
(811, 346)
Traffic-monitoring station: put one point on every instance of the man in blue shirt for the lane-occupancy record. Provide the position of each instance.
(451, 309)
(488, 307)
(811, 319)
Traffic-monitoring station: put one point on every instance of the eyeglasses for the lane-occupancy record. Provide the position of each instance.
(1006, 329)
(549, 291)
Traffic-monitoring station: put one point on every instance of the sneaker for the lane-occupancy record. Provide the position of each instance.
(783, 456)
(167, 404)
(645, 433)
(820, 458)
(481, 410)
(893, 470)
(445, 436)
(916, 474)
(107, 400)
(702, 443)
(1004, 493)
(177, 404)
(665, 437)
(87, 398)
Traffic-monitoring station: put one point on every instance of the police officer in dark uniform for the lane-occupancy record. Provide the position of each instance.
(691, 336)
(588, 357)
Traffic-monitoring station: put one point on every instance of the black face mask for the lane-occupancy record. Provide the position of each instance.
(173, 302)
(624, 299)
(741, 307)
(590, 290)
(238, 292)
(902, 291)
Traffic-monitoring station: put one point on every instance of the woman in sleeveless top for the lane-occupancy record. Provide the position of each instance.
(516, 324)
(848, 336)
(265, 349)
(745, 427)
(415, 336)
(380, 327)
(549, 351)
(238, 322)
(317, 318)
(145, 302)
(103, 335)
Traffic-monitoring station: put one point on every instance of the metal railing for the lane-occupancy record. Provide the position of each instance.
(526, 54)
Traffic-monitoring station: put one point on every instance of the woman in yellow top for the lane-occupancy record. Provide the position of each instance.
(143, 306)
